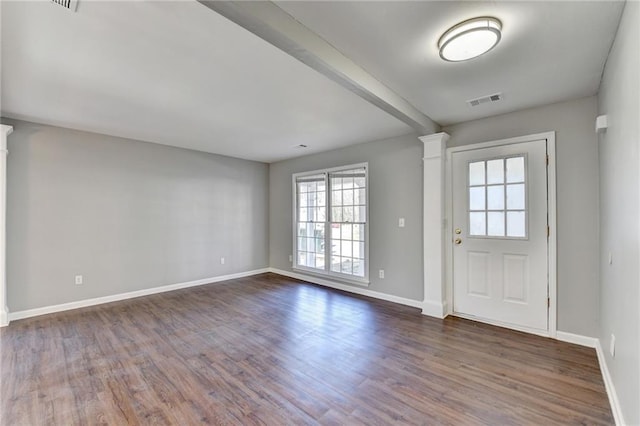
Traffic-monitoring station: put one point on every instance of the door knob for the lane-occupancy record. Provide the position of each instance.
(457, 241)
(458, 231)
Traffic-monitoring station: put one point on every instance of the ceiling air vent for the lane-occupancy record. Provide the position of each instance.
(72, 5)
(485, 99)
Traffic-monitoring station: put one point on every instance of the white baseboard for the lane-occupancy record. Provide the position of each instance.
(590, 342)
(608, 384)
(129, 295)
(351, 289)
(4, 316)
(434, 309)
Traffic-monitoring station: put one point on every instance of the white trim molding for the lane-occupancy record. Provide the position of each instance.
(434, 304)
(616, 409)
(129, 295)
(4, 310)
(348, 288)
(577, 339)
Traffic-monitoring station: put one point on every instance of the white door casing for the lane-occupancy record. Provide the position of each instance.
(501, 198)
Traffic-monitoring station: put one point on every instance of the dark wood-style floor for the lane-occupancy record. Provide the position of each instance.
(272, 350)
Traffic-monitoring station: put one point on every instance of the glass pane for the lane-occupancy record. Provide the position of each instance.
(495, 197)
(302, 217)
(358, 267)
(335, 247)
(495, 224)
(362, 214)
(336, 198)
(336, 183)
(476, 198)
(336, 214)
(320, 199)
(319, 245)
(346, 232)
(345, 248)
(358, 232)
(347, 214)
(347, 197)
(319, 230)
(347, 183)
(358, 250)
(302, 199)
(477, 223)
(476, 173)
(320, 186)
(359, 182)
(495, 171)
(515, 197)
(359, 196)
(320, 215)
(515, 169)
(335, 263)
(346, 266)
(335, 231)
(319, 261)
(516, 224)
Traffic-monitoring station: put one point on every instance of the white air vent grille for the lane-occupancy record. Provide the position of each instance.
(485, 99)
(72, 5)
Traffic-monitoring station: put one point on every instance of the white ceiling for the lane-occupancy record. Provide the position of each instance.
(549, 52)
(175, 73)
(179, 74)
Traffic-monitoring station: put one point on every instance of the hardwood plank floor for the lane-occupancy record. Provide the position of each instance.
(272, 350)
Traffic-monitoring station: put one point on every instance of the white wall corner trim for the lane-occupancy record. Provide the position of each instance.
(348, 288)
(434, 224)
(4, 311)
(129, 295)
(616, 409)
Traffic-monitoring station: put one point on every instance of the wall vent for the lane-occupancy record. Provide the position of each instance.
(72, 5)
(485, 99)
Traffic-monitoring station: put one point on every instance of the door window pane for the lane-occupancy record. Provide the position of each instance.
(495, 224)
(495, 171)
(476, 173)
(477, 223)
(516, 224)
(515, 197)
(476, 198)
(495, 197)
(515, 169)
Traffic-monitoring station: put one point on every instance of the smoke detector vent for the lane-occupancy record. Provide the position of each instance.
(72, 5)
(485, 99)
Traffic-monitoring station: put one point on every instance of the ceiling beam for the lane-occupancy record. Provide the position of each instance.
(274, 25)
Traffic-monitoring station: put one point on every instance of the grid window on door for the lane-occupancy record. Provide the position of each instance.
(311, 193)
(497, 198)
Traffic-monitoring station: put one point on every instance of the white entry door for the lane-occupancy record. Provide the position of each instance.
(500, 234)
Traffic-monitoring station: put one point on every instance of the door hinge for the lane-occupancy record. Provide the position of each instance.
(547, 159)
(548, 231)
(548, 302)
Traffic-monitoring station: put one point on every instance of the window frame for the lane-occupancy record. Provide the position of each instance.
(327, 272)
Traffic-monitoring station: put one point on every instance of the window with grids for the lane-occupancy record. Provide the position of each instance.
(497, 198)
(331, 222)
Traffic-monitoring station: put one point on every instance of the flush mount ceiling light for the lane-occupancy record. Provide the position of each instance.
(470, 39)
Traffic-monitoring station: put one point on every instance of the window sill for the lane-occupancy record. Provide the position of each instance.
(362, 282)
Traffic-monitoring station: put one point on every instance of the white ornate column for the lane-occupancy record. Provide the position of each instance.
(435, 301)
(4, 310)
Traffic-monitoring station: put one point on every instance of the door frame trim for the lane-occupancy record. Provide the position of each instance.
(552, 211)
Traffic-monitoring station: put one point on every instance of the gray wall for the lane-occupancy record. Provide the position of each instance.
(395, 185)
(127, 215)
(619, 98)
(577, 190)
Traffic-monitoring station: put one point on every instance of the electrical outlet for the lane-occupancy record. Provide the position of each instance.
(290, 258)
(401, 222)
(381, 273)
(222, 260)
(79, 280)
(612, 346)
